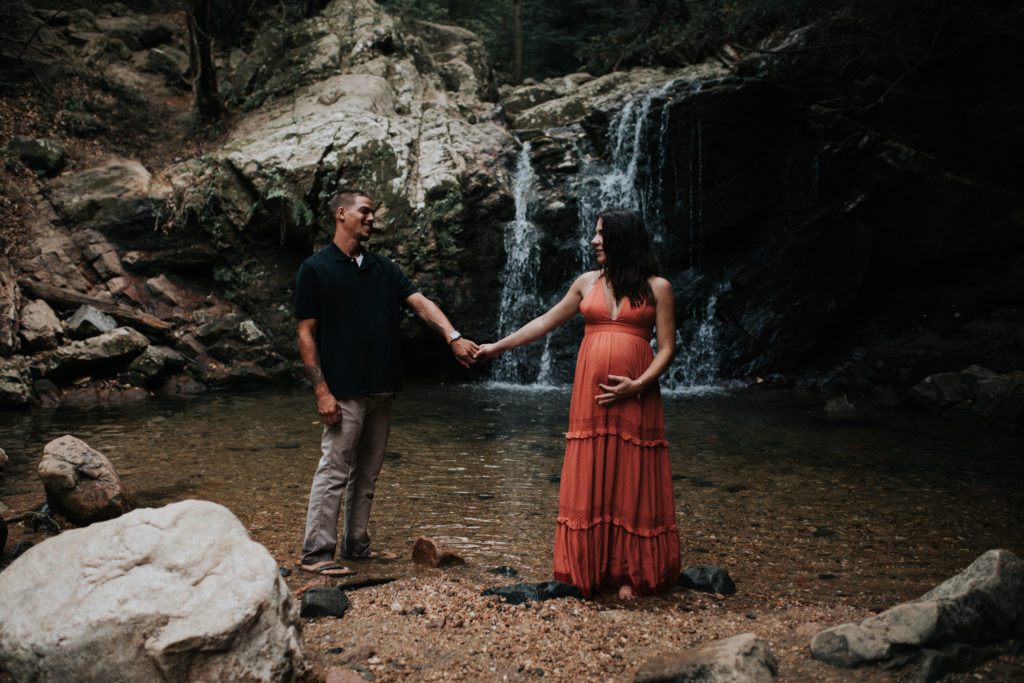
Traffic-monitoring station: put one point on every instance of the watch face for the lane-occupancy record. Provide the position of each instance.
(453, 336)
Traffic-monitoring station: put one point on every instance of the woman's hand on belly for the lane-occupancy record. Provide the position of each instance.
(617, 389)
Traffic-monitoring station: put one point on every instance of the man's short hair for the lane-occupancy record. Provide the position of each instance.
(346, 197)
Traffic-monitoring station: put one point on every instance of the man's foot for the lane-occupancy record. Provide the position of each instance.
(626, 592)
(328, 568)
(374, 555)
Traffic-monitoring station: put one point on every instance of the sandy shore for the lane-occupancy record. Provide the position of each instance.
(435, 625)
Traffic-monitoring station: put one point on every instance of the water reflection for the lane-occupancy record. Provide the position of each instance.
(477, 467)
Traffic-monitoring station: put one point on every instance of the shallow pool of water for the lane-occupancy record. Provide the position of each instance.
(793, 504)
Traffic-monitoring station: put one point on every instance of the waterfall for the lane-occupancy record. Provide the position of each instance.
(696, 364)
(520, 302)
(632, 179)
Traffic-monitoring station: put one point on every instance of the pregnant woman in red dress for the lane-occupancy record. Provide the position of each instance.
(616, 512)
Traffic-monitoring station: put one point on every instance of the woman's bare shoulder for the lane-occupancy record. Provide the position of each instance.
(661, 287)
(587, 280)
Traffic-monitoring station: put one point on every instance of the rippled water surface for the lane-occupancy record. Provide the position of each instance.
(790, 501)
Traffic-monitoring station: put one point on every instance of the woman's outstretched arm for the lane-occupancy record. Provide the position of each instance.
(559, 314)
(619, 387)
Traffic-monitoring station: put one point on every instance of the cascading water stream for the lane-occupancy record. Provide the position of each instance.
(631, 178)
(519, 298)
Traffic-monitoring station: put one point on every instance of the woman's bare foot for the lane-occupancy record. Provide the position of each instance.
(626, 592)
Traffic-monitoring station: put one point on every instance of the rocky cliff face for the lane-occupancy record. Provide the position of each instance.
(803, 243)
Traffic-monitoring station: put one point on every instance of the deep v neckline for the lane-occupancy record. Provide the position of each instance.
(609, 301)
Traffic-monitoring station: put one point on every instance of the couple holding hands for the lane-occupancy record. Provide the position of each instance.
(616, 527)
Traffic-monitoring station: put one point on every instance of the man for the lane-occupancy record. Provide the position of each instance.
(347, 303)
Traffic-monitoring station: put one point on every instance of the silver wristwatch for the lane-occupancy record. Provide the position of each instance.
(453, 335)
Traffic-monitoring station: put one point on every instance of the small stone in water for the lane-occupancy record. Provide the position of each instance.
(286, 444)
(823, 531)
(285, 571)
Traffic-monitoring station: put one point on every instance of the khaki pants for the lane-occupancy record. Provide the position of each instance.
(353, 450)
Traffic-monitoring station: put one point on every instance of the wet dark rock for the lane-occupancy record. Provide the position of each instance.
(735, 488)
(287, 445)
(555, 479)
(536, 592)
(708, 579)
(81, 482)
(702, 482)
(741, 659)
(45, 157)
(321, 601)
(504, 570)
(823, 531)
(285, 572)
(432, 553)
(47, 393)
(15, 382)
(485, 496)
(984, 604)
(155, 363)
(87, 322)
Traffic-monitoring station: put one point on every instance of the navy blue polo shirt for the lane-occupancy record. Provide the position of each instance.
(357, 309)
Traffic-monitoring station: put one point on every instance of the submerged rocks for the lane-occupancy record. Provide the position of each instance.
(983, 604)
(741, 659)
(81, 482)
(175, 593)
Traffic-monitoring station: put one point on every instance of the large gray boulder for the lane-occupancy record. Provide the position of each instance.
(81, 482)
(112, 197)
(983, 604)
(179, 593)
(741, 659)
(99, 353)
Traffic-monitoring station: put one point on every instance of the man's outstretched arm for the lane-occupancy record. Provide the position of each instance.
(429, 312)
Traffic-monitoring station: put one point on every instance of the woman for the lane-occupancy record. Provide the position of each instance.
(616, 513)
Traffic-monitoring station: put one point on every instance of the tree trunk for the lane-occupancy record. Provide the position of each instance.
(517, 40)
(200, 57)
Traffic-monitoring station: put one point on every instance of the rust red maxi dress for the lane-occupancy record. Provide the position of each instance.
(616, 513)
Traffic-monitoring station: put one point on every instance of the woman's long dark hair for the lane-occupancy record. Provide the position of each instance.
(629, 258)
